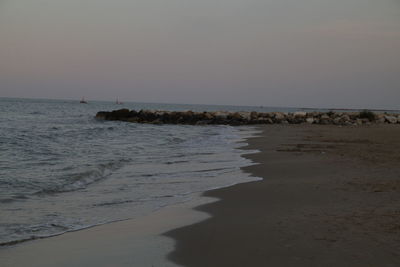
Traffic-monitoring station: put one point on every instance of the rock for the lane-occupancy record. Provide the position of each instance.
(380, 118)
(208, 115)
(264, 121)
(101, 115)
(337, 121)
(279, 116)
(310, 120)
(391, 119)
(221, 115)
(147, 115)
(269, 121)
(353, 115)
(365, 121)
(253, 115)
(245, 115)
(313, 114)
(243, 118)
(264, 115)
(338, 114)
(300, 114)
(236, 116)
(325, 117)
(345, 117)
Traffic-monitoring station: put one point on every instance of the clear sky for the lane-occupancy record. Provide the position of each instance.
(308, 53)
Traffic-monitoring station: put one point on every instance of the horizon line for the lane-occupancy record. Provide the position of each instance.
(202, 104)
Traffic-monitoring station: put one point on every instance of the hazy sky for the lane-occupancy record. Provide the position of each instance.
(320, 53)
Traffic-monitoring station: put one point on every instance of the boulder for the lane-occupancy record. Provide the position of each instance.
(310, 120)
(236, 116)
(380, 118)
(253, 115)
(208, 115)
(102, 115)
(325, 117)
(269, 120)
(279, 116)
(264, 115)
(300, 114)
(345, 117)
(221, 115)
(245, 115)
(337, 121)
(391, 119)
(264, 121)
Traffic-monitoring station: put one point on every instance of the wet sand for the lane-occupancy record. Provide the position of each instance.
(330, 197)
(137, 242)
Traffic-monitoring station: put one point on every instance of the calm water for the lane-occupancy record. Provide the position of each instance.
(62, 170)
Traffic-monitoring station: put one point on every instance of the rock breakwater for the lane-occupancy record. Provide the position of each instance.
(246, 118)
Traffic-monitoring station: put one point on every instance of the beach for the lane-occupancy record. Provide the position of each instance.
(329, 197)
(199, 133)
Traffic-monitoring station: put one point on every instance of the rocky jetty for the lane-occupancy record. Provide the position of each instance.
(246, 118)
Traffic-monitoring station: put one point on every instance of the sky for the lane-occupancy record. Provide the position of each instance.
(297, 53)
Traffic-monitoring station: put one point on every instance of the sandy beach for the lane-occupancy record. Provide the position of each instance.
(330, 197)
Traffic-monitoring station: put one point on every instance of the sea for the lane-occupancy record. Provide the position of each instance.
(62, 170)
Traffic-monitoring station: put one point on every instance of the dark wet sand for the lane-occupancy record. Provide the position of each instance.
(330, 197)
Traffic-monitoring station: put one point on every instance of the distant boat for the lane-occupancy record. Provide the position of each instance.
(118, 102)
(83, 101)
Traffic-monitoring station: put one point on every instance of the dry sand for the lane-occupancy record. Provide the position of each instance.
(330, 197)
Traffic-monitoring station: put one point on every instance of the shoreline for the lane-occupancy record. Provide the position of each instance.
(245, 132)
(83, 244)
(329, 197)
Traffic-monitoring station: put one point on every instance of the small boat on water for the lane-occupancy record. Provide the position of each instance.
(118, 102)
(83, 101)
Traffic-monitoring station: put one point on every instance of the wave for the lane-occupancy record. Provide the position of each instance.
(6, 200)
(82, 180)
(60, 231)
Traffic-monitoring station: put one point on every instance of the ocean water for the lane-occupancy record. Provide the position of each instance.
(62, 170)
